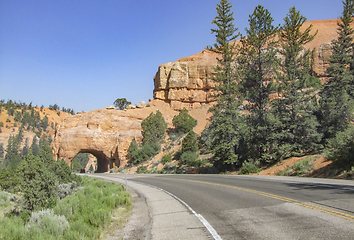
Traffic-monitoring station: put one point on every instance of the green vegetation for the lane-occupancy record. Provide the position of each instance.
(190, 143)
(80, 161)
(154, 128)
(183, 122)
(272, 63)
(337, 96)
(121, 103)
(82, 215)
(223, 134)
(299, 168)
(154, 132)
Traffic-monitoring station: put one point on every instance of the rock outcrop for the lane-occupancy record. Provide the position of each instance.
(104, 133)
(187, 82)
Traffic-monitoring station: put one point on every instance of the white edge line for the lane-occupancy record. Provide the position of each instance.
(211, 230)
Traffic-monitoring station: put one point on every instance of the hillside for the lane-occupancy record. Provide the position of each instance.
(34, 120)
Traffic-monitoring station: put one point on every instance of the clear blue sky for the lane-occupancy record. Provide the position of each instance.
(84, 54)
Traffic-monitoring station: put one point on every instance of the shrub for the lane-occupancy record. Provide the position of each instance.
(48, 223)
(66, 189)
(249, 167)
(183, 122)
(190, 143)
(8, 179)
(341, 147)
(146, 152)
(37, 183)
(299, 168)
(190, 159)
(167, 158)
(63, 172)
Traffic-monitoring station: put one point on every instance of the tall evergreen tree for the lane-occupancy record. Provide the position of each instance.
(257, 63)
(225, 128)
(295, 130)
(338, 93)
(337, 97)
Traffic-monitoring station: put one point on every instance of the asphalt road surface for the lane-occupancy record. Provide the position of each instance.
(255, 207)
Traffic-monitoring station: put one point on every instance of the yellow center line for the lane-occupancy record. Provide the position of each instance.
(285, 199)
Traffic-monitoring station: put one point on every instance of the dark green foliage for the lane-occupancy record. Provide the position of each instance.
(54, 107)
(76, 165)
(190, 142)
(34, 146)
(144, 153)
(121, 103)
(257, 64)
(63, 172)
(338, 93)
(37, 183)
(223, 134)
(13, 155)
(45, 154)
(2, 151)
(80, 161)
(249, 167)
(295, 127)
(167, 158)
(190, 159)
(183, 122)
(133, 147)
(8, 179)
(341, 147)
(154, 128)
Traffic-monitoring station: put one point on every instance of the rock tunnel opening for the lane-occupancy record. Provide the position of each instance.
(102, 162)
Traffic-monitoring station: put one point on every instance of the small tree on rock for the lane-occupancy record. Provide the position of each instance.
(121, 103)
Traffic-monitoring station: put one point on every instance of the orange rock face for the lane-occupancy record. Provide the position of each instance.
(187, 82)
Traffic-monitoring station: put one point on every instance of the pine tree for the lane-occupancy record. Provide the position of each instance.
(257, 64)
(154, 128)
(337, 97)
(190, 142)
(183, 122)
(224, 131)
(295, 131)
(338, 93)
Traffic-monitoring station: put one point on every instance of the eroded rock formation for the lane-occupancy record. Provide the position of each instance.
(106, 134)
(103, 133)
(187, 81)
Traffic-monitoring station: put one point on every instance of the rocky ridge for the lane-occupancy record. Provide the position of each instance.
(187, 82)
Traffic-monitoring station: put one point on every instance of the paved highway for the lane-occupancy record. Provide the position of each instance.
(255, 207)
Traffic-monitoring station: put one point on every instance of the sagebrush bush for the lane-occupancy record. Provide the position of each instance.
(47, 222)
(66, 189)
